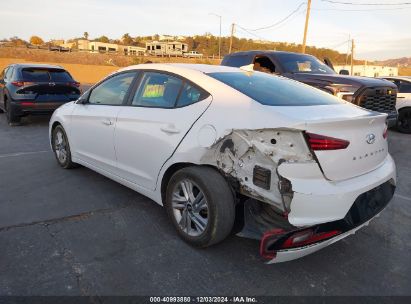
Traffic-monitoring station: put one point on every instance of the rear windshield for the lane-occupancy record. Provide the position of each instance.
(274, 90)
(39, 75)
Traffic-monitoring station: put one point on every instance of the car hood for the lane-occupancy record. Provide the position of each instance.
(327, 79)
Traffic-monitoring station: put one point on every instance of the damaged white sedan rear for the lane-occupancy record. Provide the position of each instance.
(227, 150)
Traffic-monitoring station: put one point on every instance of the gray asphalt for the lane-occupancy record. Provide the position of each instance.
(75, 232)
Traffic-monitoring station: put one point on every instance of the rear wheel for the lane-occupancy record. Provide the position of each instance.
(200, 204)
(61, 148)
(12, 118)
(404, 120)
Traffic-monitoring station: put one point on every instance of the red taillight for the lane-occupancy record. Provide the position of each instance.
(26, 103)
(21, 83)
(268, 239)
(385, 133)
(321, 142)
(307, 237)
(18, 83)
(74, 84)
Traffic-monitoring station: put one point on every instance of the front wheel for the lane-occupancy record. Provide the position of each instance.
(200, 204)
(61, 148)
(404, 121)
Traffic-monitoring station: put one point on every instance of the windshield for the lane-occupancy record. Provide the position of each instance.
(274, 90)
(300, 63)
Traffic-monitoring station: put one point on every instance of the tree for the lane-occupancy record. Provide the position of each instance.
(85, 35)
(36, 40)
(127, 40)
(103, 39)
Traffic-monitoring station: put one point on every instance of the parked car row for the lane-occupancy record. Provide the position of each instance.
(232, 150)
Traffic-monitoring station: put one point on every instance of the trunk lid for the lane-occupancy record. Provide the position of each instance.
(363, 129)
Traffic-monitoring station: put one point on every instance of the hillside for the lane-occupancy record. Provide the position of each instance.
(402, 62)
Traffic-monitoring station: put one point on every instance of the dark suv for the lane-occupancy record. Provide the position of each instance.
(35, 89)
(370, 93)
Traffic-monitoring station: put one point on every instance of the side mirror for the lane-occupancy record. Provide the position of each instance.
(344, 72)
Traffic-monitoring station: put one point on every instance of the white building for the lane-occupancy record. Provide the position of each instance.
(369, 70)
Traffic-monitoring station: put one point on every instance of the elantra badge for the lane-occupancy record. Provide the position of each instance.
(370, 138)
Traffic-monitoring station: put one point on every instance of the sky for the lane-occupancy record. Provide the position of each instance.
(380, 32)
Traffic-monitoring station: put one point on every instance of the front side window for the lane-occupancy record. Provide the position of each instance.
(112, 91)
(274, 90)
(157, 90)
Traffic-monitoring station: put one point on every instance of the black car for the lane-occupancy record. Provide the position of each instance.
(370, 93)
(35, 89)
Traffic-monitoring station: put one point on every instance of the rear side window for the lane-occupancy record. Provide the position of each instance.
(9, 72)
(157, 90)
(189, 95)
(236, 61)
(273, 90)
(39, 75)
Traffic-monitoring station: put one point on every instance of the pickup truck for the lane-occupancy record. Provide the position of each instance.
(373, 94)
(193, 54)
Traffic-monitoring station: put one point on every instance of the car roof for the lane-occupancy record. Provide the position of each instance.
(179, 67)
(37, 65)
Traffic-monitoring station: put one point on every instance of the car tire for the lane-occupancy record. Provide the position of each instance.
(61, 148)
(404, 120)
(12, 118)
(207, 216)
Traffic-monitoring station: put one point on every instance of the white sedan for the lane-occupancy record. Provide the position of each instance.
(231, 151)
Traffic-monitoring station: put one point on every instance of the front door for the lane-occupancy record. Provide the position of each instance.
(150, 128)
(93, 123)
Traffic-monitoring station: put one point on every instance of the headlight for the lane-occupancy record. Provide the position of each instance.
(346, 92)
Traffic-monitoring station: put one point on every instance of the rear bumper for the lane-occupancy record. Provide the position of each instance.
(22, 108)
(317, 200)
(279, 245)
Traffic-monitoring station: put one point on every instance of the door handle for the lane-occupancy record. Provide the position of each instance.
(107, 122)
(170, 130)
(400, 96)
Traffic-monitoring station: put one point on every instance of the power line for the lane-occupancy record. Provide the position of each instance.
(281, 21)
(251, 33)
(361, 10)
(372, 4)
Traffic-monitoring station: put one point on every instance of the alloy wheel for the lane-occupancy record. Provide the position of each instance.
(190, 208)
(60, 146)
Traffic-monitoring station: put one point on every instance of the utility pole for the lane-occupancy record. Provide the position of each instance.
(219, 38)
(307, 17)
(352, 57)
(231, 37)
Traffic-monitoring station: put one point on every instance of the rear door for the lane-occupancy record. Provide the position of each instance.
(93, 123)
(160, 112)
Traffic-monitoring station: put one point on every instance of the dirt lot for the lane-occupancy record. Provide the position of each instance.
(85, 68)
(75, 232)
